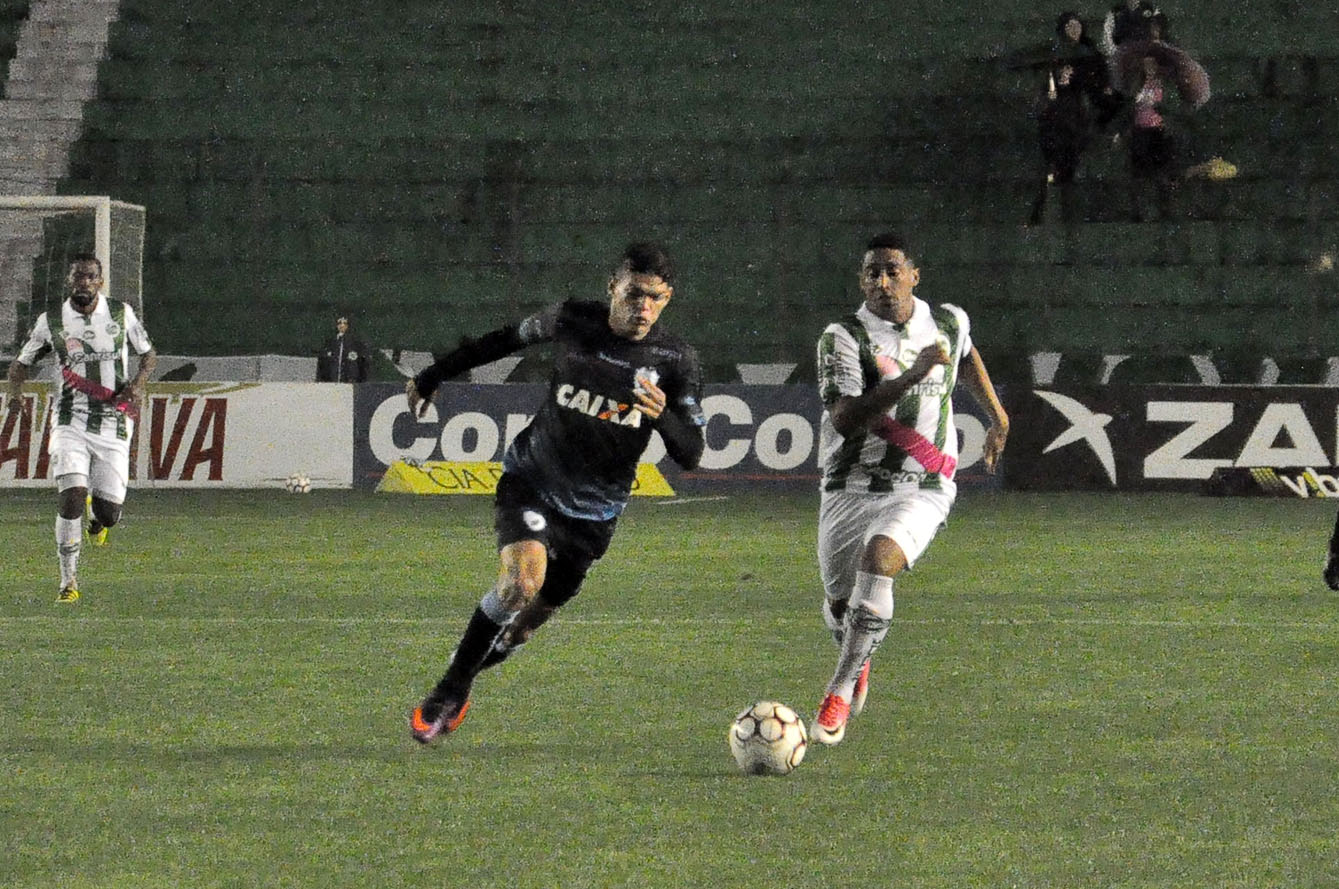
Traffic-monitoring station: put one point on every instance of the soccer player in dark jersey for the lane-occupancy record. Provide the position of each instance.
(568, 474)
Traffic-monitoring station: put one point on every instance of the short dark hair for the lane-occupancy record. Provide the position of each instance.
(889, 241)
(646, 258)
(86, 257)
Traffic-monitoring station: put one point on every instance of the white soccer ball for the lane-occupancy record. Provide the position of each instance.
(768, 738)
(298, 483)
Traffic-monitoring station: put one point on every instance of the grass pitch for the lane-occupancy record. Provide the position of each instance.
(1078, 691)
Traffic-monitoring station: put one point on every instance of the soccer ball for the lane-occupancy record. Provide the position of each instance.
(768, 738)
(298, 483)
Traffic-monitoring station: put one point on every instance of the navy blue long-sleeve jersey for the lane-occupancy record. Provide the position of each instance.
(580, 451)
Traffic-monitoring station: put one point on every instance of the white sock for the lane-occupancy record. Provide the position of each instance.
(864, 630)
(69, 540)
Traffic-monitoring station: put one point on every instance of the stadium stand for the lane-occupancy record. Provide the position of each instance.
(52, 49)
(447, 165)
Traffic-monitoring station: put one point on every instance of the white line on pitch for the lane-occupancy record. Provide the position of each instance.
(679, 500)
(680, 621)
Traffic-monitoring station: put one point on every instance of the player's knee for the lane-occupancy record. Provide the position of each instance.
(883, 556)
(524, 566)
(524, 583)
(106, 512)
(72, 502)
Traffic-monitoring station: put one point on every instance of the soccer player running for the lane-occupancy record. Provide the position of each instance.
(95, 412)
(888, 449)
(567, 476)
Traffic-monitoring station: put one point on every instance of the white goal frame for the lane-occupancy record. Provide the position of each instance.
(101, 205)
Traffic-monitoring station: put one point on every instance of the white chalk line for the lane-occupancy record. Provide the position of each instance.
(752, 620)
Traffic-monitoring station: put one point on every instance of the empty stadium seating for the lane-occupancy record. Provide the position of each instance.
(440, 167)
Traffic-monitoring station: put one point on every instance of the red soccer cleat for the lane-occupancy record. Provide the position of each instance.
(861, 690)
(450, 714)
(830, 724)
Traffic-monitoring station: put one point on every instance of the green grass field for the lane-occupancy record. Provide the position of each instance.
(1078, 691)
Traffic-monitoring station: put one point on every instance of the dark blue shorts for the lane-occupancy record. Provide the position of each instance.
(519, 513)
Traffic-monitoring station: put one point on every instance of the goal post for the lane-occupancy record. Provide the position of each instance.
(39, 234)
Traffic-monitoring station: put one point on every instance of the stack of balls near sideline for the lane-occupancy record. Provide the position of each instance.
(768, 738)
(298, 483)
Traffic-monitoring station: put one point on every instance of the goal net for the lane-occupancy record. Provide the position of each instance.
(39, 235)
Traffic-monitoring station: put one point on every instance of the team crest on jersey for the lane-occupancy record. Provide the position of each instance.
(112, 328)
(644, 373)
(601, 407)
(89, 335)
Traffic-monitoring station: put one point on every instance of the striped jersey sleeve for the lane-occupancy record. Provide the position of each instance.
(839, 365)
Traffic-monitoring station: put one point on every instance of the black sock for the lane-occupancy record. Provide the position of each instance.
(1334, 538)
(480, 634)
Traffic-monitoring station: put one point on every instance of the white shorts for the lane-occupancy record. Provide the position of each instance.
(847, 522)
(81, 459)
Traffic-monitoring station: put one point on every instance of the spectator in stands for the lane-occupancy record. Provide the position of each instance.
(1132, 20)
(1077, 100)
(1152, 145)
(1074, 46)
(344, 359)
(1064, 129)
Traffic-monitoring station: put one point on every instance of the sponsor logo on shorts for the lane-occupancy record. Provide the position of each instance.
(533, 520)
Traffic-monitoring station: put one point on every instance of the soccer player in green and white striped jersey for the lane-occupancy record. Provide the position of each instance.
(94, 414)
(888, 449)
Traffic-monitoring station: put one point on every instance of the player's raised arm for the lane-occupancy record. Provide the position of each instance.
(473, 353)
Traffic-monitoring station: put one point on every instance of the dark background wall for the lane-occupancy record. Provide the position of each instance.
(436, 168)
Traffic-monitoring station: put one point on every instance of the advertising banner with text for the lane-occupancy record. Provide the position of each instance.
(757, 436)
(1220, 439)
(206, 435)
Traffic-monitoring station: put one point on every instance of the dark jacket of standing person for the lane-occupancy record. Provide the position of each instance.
(344, 359)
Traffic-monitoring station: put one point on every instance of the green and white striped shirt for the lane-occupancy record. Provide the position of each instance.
(854, 355)
(95, 347)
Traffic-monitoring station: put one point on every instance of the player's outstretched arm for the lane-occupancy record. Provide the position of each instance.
(469, 354)
(977, 381)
